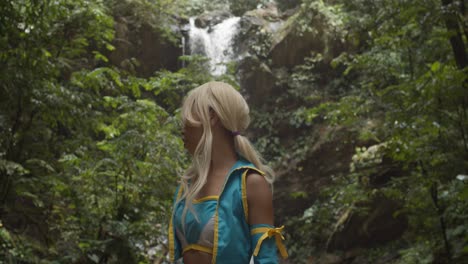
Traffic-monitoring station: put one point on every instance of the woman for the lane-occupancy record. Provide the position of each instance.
(223, 211)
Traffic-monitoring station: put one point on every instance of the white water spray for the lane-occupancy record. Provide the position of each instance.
(216, 44)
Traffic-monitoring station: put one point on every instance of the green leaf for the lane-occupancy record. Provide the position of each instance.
(99, 57)
(435, 66)
(110, 47)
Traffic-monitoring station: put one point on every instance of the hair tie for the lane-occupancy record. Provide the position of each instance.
(235, 133)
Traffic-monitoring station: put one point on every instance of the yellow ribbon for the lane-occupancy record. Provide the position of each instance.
(278, 237)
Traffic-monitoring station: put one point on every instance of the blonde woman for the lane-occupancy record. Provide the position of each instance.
(223, 210)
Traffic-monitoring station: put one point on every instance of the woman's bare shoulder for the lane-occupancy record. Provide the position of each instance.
(260, 199)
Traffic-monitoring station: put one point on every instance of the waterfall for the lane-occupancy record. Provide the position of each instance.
(183, 50)
(214, 43)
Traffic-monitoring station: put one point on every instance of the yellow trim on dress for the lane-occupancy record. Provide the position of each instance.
(269, 232)
(198, 247)
(215, 239)
(244, 190)
(206, 198)
(171, 241)
(244, 195)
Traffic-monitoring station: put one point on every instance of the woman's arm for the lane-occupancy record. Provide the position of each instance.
(259, 199)
(265, 238)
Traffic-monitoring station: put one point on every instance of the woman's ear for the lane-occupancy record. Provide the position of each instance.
(214, 119)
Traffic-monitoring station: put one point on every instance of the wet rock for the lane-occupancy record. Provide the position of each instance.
(268, 13)
(255, 28)
(212, 18)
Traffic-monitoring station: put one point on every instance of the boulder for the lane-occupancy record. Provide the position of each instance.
(290, 45)
(210, 19)
(254, 24)
(268, 13)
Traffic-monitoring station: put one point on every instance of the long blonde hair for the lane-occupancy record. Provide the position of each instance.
(233, 112)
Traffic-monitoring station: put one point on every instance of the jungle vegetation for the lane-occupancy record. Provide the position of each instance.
(90, 152)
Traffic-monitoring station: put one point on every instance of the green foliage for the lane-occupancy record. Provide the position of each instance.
(122, 195)
(319, 11)
(403, 93)
(87, 153)
(159, 15)
(408, 84)
(14, 249)
(315, 222)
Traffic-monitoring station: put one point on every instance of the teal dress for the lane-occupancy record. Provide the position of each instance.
(222, 228)
(196, 234)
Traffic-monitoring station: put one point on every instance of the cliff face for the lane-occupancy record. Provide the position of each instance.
(144, 49)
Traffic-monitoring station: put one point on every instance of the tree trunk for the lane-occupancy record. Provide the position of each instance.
(456, 40)
(440, 212)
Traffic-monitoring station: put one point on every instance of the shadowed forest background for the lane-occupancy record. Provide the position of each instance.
(361, 107)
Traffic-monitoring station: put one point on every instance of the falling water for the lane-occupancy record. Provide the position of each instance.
(183, 50)
(215, 43)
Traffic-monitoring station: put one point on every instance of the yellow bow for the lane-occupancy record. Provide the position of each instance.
(269, 232)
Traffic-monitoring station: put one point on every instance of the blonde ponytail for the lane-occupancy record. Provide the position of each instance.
(246, 150)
